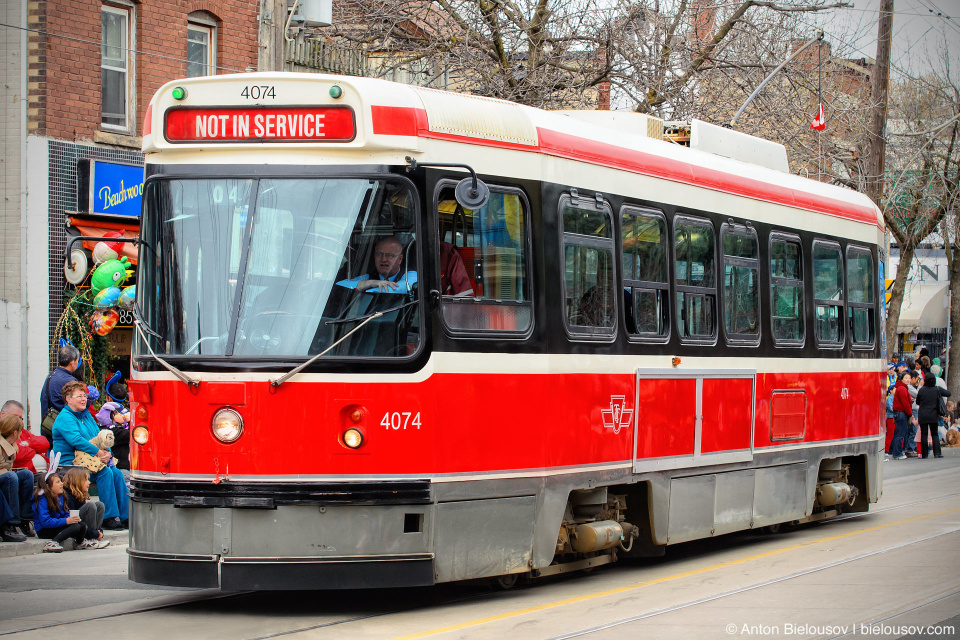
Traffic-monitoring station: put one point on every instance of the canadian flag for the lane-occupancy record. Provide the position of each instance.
(819, 123)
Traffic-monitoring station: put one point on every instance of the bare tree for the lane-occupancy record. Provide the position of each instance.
(922, 189)
(572, 54)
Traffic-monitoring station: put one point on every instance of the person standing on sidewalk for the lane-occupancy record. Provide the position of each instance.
(929, 400)
(910, 439)
(902, 412)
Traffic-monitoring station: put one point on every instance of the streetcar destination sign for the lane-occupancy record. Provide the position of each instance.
(244, 124)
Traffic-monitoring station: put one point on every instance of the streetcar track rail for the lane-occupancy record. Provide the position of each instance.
(698, 571)
(758, 585)
(748, 538)
(899, 612)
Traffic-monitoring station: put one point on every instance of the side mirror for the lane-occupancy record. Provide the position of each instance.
(472, 193)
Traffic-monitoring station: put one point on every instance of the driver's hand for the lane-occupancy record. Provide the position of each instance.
(383, 286)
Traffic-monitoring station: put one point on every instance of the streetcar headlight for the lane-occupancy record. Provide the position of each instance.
(141, 435)
(227, 425)
(353, 438)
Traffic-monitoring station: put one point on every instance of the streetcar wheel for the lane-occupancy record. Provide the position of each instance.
(773, 528)
(505, 583)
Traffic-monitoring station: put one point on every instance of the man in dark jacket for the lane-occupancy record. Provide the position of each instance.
(928, 399)
(68, 359)
(902, 412)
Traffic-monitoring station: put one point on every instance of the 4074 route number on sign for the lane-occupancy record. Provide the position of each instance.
(398, 420)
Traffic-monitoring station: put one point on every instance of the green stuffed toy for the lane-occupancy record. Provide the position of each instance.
(112, 273)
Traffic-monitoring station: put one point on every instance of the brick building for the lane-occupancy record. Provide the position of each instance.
(77, 75)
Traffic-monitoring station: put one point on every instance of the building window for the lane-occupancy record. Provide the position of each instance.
(741, 284)
(590, 308)
(861, 296)
(201, 50)
(786, 290)
(695, 254)
(646, 290)
(116, 63)
(828, 294)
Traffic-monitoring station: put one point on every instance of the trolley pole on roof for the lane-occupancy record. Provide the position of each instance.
(756, 91)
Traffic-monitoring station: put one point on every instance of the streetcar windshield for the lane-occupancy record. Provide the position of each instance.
(273, 268)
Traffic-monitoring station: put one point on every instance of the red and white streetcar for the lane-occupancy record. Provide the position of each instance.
(394, 336)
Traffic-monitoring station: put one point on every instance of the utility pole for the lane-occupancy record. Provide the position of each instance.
(877, 148)
(273, 17)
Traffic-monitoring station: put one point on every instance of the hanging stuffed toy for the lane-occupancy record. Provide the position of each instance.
(104, 251)
(102, 322)
(112, 273)
(128, 296)
(109, 297)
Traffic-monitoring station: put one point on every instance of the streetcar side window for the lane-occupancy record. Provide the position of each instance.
(695, 255)
(786, 290)
(861, 297)
(646, 294)
(590, 306)
(741, 284)
(828, 294)
(483, 256)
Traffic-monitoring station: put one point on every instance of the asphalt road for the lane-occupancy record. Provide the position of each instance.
(894, 572)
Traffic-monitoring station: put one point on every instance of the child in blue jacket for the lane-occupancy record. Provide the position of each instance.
(52, 519)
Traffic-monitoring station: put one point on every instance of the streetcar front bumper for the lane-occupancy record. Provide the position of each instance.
(241, 536)
(242, 574)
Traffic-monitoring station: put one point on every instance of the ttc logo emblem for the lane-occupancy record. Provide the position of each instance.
(617, 416)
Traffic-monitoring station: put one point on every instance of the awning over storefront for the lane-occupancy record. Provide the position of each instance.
(97, 228)
(925, 307)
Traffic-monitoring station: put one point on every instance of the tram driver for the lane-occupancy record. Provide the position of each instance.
(391, 278)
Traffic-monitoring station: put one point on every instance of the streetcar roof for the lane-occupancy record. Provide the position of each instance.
(391, 121)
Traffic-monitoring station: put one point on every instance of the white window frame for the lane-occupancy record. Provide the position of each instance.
(210, 27)
(130, 107)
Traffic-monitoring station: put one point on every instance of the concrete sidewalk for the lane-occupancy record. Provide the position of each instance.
(35, 545)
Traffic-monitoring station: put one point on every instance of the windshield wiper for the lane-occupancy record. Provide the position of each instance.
(142, 328)
(138, 317)
(365, 319)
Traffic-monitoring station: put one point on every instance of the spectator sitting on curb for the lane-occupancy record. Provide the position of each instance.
(32, 448)
(76, 487)
(73, 430)
(15, 485)
(54, 521)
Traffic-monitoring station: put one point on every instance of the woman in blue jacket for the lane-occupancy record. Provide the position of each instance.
(72, 431)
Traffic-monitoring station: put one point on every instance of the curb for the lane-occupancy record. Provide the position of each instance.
(33, 546)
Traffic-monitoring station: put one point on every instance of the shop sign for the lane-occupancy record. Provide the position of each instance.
(109, 188)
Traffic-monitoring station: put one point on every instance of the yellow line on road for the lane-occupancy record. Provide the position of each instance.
(685, 574)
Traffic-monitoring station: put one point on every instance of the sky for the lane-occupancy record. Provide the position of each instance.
(922, 30)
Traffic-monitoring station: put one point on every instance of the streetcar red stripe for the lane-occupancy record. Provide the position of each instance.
(582, 149)
(397, 121)
(410, 121)
(475, 423)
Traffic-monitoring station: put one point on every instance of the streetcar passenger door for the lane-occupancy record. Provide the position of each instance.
(693, 418)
